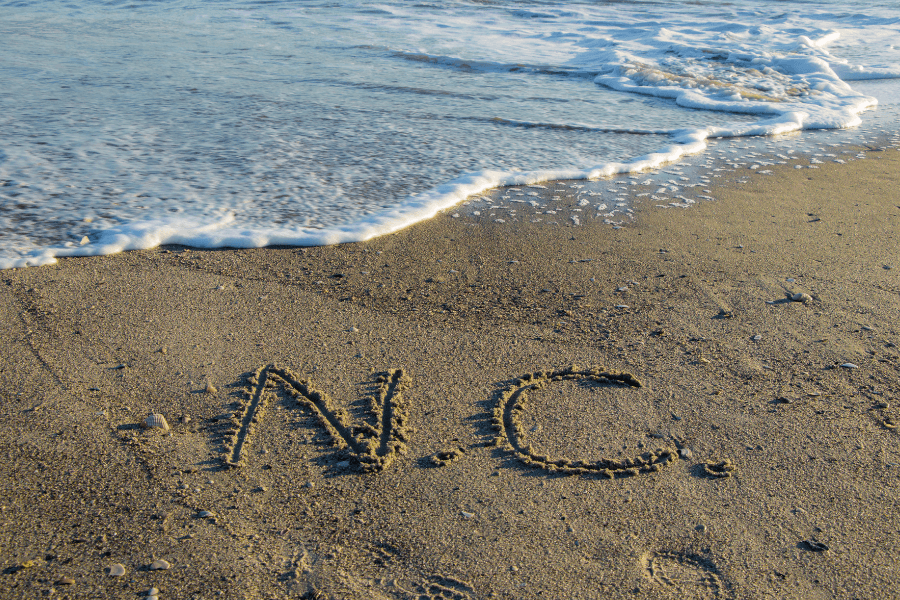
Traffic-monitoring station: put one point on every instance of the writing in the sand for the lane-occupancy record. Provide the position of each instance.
(374, 448)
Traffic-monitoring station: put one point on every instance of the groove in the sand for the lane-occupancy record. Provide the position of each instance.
(507, 420)
(374, 449)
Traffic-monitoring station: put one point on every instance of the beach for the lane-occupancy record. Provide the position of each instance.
(527, 410)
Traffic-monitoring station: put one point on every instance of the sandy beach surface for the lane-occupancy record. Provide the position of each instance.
(470, 409)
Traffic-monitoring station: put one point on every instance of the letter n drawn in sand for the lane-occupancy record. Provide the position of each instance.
(374, 448)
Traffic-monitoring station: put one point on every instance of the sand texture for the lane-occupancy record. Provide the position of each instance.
(470, 409)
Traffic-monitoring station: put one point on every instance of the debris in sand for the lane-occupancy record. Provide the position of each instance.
(445, 457)
(156, 421)
(720, 469)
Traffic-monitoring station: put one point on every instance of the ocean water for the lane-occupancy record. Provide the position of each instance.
(128, 124)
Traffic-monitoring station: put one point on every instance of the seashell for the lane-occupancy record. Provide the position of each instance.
(211, 389)
(155, 421)
(849, 365)
(116, 570)
(801, 297)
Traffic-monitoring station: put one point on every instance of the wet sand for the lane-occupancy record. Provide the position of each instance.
(583, 412)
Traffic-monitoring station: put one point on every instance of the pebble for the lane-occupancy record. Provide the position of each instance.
(801, 297)
(685, 453)
(468, 515)
(205, 514)
(353, 330)
(756, 338)
(153, 592)
(66, 581)
(211, 389)
(849, 365)
(116, 570)
(160, 565)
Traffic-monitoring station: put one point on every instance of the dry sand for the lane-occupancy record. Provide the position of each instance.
(735, 380)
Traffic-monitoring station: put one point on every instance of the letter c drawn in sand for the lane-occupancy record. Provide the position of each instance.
(507, 421)
(374, 448)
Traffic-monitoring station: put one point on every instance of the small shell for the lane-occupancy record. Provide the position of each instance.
(801, 297)
(156, 421)
(160, 565)
(116, 570)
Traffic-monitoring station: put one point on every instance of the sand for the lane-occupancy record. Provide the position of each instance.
(692, 432)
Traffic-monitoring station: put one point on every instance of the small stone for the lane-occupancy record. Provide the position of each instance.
(185, 419)
(116, 570)
(66, 581)
(353, 330)
(160, 565)
(849, 365)
(211, 389)
(685, 453)
(85, 240)
(152, 592)
(801, 297)
(701, 528)
(309, 484)
(468, 515)
(756, 338)
(205, 514)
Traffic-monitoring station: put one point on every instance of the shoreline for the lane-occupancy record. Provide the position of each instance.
(146, 235)
(735, 379)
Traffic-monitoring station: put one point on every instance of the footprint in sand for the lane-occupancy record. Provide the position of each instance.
(444, 588)
(686, 576)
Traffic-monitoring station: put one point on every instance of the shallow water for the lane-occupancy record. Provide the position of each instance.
(247, 124)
